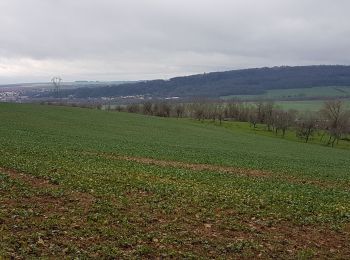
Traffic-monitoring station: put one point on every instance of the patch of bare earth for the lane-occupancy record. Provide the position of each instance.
(224, 169)
(190, 166)
(84, 199)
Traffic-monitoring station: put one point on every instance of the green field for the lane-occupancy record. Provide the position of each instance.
(307, 105)
(295, 93)
(88, 183)
(317, 94)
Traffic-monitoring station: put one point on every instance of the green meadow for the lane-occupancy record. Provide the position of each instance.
(295, 93)
(306, 105)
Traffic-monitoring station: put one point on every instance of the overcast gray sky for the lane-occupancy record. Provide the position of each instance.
(146, 39)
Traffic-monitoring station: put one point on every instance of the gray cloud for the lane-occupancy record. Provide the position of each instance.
(144, 39)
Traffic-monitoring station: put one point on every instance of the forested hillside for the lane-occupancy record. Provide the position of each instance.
(235, 82)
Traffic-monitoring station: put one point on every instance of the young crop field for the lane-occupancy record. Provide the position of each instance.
(95, 184)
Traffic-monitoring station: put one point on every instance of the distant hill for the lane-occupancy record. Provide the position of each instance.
(236, 82)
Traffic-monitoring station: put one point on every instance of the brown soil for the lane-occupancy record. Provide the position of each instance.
(191, 166)
(270, 239)
(84, 199)
(224, 169)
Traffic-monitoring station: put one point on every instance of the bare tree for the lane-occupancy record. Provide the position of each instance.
(337, 120)
(260, 111)
(282, 120)
(133, 108)
(254, 116)
(147, 108)
(162, 109)
(119, 108)
(166, 109)
(179, 110)
(198, 111)
(268, 114)
(220, 112)
(306, 126)
(232, 110)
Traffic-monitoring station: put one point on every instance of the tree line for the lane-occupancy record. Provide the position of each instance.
(332, 122)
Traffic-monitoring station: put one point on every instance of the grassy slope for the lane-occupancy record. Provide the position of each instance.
(148, 210)
(261, 129)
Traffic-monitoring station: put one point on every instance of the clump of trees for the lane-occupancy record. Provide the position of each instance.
(333, 120)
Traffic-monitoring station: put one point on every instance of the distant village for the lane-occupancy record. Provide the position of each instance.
(17, 96)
